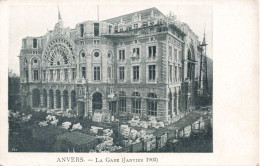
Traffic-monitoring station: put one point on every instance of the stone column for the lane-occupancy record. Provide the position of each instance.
(48, 99)
(55, 100)
(104, 103)
(177, 104)
(143, 109)
(41, 98)
(31, 99)
(69, 100)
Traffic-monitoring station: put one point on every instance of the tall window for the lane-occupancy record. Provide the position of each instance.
(136, 103)
(175, 54)
(170, 52)
(96, 29)
(109, 72)
(121, 73)
(175, 73)
(122, 101)
(152, 51)
(121, 55)
(136, 52)
(135, 73)
(170, 73)
(180, 75)
(97, 73)
(109, 29)
(74, 74)
(152, 72)
(44, 74)
(35, 43)
(65, 74)
(26, 74)
(58, 74)
(81, 30)
(83, 72)
(152, 104)
(180, 58)
(35, 74)
(51, 74)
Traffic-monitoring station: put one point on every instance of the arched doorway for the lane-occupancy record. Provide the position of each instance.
(51, 98)
(44, 94)
(96, 101)
(36, 98)
(73, 100)
(65, 100)
(58, 99)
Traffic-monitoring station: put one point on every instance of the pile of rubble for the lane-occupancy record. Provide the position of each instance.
(151, 123)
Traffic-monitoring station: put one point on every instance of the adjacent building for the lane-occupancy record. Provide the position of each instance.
(141, 64)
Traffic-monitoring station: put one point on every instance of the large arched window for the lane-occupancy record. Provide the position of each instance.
(152, 104)
(136, 103)
(122, 101)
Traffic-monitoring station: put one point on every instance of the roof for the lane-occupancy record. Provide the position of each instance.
(143, 13)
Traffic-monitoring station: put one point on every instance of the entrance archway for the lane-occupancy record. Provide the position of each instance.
(73, 100)
(96, 101)
(44, 94)
(65, 100)
(36, 98)
(58, 99)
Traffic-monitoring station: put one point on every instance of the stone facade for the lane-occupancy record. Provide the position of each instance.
(144, 64)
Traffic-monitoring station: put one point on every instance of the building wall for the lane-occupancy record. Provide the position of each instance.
(77, 41)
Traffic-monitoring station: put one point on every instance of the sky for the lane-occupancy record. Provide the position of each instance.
(34, 18)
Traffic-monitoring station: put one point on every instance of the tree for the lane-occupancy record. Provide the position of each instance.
(13, 90)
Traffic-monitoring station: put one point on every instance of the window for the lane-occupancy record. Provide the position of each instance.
(26, 74)
(35, 61)
(109, 29)
(82, 43)
(96, 42)
(83, 72)
(44, 74)
(109, 72)
(96, 73)
(51, 74)
(34, 52)
(175, 73)
(74, 74)
(35, 74)
(96, 29)
(121, 54)
(152, 51)
(34, 43)
(58, 74)
(170, 73)
(96, 54)
(121, 73)
(81, 30)
(152, 104)
(135, 73)
(122, 102)
(151, 72)
(65, 74)
(151, 23)
(121, 29)
(175, 54)
(109, 55)
(83, 54)
(136, 52)
(170, 52)
(136, 103)
(180, 75)
(180, 58)
(135, 26)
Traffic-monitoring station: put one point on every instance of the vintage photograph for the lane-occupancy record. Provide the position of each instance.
(95, 78)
